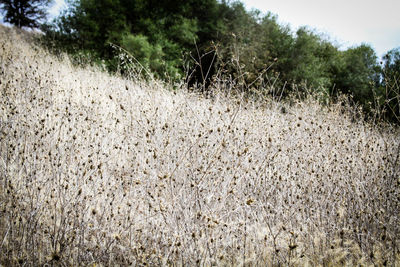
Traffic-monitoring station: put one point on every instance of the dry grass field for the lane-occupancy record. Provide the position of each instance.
(99, 170)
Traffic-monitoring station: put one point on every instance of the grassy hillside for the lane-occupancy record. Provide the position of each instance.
(95, 169)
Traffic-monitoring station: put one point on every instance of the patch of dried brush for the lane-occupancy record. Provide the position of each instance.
(95, 169)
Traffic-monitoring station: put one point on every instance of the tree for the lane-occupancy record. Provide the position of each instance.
(392, 63)
(175, 26)
(391, 84)
(93, 25)
(359, 74)
(311, 62)
(24, 13)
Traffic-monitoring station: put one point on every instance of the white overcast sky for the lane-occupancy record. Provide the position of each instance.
(347, 22)
(57, 6)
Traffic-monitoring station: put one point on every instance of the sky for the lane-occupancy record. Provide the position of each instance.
(348, 23)
(57, 6)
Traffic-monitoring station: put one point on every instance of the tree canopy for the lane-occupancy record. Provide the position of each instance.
(251, 47)
(24, 13)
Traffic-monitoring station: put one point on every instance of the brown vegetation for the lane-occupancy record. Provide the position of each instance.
(96, 169)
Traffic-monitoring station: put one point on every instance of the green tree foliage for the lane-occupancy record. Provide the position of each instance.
(392, 65)
(139, 47)
(277, 41)
(251, 44)
(252, 48)
(359, 74)
(391, 84)
(92, 25)
(24, 13)
(169, 27)
(175, 26)
(309, 57)
(151, 57)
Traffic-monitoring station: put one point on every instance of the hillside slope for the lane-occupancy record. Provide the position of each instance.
(98, 169)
